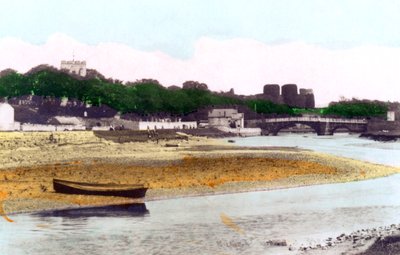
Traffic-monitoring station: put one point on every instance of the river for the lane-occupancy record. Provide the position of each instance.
(341, 144)
(303, 215)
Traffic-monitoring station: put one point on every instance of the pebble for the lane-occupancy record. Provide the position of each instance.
(357, 238)
(280, 242)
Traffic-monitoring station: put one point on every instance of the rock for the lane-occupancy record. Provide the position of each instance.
(171, 145)
(278, 242)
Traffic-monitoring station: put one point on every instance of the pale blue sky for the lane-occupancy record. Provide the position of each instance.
(173, 26)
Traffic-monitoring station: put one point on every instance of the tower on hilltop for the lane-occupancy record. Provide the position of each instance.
(74, 67)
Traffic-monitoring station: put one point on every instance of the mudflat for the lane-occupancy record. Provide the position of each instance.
(195, 166)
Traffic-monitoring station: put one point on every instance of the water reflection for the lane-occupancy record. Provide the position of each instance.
(304, 215)
(123, 210)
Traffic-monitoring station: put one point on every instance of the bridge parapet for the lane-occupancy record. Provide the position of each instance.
(316, 119)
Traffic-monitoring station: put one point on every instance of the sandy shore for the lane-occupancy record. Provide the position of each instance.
(199, 166)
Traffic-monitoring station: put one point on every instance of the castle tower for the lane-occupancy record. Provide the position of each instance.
(74, 67)
(272, 93)
(289, 94)
(308, 98)
(272, 90)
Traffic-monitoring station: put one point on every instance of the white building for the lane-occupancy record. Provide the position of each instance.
(6, 117)
(145, 125)
(74, 67)
(391, 115)
(226, 118)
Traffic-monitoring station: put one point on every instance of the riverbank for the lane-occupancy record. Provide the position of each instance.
(197, 166)
(375, 241)
(387, 136)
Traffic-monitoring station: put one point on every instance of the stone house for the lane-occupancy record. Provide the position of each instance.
(225, 118)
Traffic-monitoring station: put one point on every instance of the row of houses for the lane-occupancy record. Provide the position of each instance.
(227, 120)
(65, 123)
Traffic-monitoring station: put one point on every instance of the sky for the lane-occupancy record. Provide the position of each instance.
(342, 48)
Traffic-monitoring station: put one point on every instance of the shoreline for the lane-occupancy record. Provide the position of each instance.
(370, 241)
(381, 136)
(191, 195)
(196, 167)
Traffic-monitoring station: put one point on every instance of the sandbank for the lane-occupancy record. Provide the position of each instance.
(198, 166)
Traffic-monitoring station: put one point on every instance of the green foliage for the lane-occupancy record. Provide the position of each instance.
(146, 97)
(13, 84)
(356, 108)
(316, 111)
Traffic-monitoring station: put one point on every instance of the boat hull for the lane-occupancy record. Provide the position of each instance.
(79, 188)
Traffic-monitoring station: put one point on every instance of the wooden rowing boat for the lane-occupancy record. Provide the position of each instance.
(106, 189)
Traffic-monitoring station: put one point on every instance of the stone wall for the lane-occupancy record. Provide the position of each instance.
(241, 131)
(144, 125)
(50, 128)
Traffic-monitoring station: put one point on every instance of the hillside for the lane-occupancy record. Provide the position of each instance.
(147, 97)
(142, 97)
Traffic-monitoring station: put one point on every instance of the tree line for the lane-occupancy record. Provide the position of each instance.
(149, 97)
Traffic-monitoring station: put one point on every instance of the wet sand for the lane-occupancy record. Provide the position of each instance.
(198, 166)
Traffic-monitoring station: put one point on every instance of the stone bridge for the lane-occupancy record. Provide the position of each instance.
(322, 126)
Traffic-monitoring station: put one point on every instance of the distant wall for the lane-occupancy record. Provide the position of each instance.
(102, 128)
(241, 131)
(144, 125)
(39, 127)
(106, 123)
(10, 126)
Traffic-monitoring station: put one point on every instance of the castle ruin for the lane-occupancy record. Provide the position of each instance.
(74, 67)
(290, 95)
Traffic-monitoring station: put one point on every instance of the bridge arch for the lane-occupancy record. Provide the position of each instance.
(333, 130)
(322, 126)
(314, 127)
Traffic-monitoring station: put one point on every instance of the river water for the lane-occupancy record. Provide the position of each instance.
(341, 144)
(303, 215)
